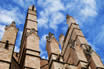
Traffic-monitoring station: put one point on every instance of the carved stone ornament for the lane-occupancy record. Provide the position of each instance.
(72, 42)
(31, 31)
(11, 25)
(50, 35)
(88, 50)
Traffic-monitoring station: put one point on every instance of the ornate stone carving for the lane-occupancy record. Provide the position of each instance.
(31, 31)
(88, 50)
(50, 35)
(11, 25)
(72, 42)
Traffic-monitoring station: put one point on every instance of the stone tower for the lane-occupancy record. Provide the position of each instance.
(7, 45)
(29, 52)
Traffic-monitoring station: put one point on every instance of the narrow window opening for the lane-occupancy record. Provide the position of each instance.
(6, 44)
(32, 8)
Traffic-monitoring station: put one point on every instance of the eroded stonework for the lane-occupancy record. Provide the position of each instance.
(76, 53)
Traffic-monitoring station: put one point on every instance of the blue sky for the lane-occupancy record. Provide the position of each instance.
(51, 14)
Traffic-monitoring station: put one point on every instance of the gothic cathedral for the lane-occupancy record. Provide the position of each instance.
(76, 53)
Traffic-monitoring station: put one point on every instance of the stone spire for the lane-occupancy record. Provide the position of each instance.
(70, 20)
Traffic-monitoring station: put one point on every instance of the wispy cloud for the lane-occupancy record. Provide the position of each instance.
(100, 36)
(24, 3)
(1, 31)
(43, 51)
(89, 9)
(51, 13)
(81, 10)
(51, 17)
(43, 41)
(7, 16)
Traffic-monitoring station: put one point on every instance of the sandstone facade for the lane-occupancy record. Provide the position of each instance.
(76, 53)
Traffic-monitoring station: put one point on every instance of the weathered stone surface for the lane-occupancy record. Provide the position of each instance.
(96, 61)
(7, 46)
(33, 42)
(75, 54)
(44, 64)
(31, 24)
(52, 46)
(32, 62)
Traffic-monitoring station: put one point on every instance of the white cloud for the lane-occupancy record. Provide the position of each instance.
(43, 45)
(90, 3)
(51, 5)
(1, 31)
(82, 9)
(56, 19)
(24, 3)
(43, 40)
(7, 16)
(88, 12)
(16, 49)
(51, 16)
(43, 22)
(100, 36)
(89, 9)
(43, 57)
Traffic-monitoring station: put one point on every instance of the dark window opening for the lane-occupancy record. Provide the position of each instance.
(6, 44)
(32, 8)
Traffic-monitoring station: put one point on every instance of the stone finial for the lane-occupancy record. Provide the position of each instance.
(13, 24)
(32, 8)
(70, 20)
(50, 35)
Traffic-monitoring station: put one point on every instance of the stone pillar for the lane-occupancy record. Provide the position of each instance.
(61, 39)
(32, 51)
(52, 48)
(7, 45)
